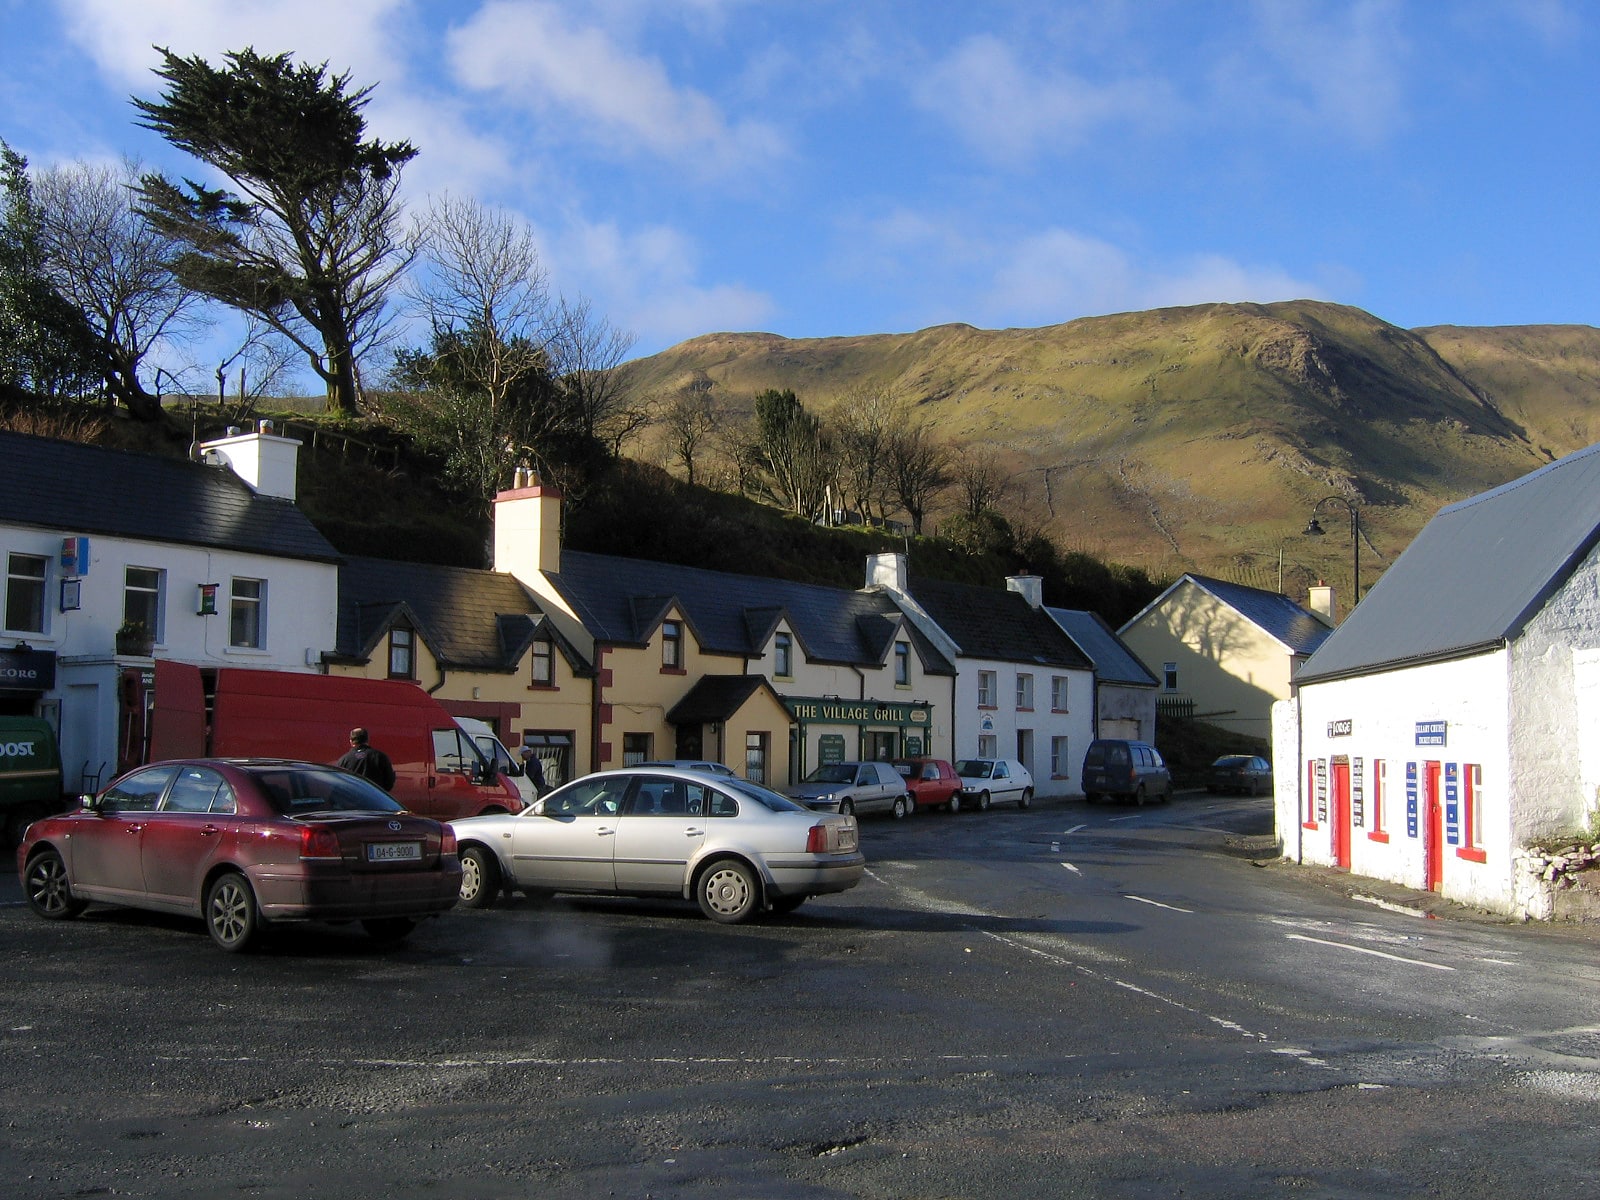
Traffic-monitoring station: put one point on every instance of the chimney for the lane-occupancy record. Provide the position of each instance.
(1319, 599)
(888, 571)
(268, 463)
(527, 529)
(1029, 587)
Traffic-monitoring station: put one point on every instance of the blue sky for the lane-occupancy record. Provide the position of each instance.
(812, 167)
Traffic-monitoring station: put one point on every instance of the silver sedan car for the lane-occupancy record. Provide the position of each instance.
(734, 846)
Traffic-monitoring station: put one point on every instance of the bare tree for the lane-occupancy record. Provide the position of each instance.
(864, 421)
(981, 480)
(918, 470)
(798, 452)
(102, 256)
(690, 416)
(584, 349)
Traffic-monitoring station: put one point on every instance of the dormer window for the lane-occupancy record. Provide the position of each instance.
(672, 645)
(902, 664)
(402, 653)
(783, 656)
(544, 663)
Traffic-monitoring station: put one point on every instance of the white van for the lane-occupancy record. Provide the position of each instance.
(505, 763)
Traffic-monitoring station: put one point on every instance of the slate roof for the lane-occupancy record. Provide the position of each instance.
(90, 490)
(1113, 661)
(470, 619)
(996, 624)
(621, 600)
(718, 698)
(1475, 576)
(1300, 630)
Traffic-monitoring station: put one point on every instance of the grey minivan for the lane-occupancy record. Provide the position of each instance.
(1112, 767)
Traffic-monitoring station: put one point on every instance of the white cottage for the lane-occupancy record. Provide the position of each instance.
(1453, 720)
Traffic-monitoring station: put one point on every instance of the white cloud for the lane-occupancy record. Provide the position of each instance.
(590, 86)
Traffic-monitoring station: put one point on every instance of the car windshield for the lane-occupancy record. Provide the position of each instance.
(833, 773)
(975, 768)
(1232, 760)
(297, 790)
(765, 797)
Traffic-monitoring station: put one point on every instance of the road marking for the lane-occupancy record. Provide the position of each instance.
(1130, 817)
(1416, 962)
(1074, 829)
(1072, 868)
(1158, 904)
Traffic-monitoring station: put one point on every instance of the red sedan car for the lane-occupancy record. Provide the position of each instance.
(932, 782)
(244, 844)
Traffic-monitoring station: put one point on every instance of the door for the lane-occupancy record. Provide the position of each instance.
(1339, 819)
(182, 838)
(662, 829)
(1433, 829)
(106, 851)
(571, 846)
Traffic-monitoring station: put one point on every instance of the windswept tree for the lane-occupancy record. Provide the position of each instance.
(918, 470)
(312, 240)
(798, 453)
(47, 349)
(110, 263)
(690, 417)
(585, 348)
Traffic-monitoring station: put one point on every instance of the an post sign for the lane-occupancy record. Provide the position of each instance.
(27, 670)
(1431, 733)
(828, 711)
(1411, 799)
(1452, 803)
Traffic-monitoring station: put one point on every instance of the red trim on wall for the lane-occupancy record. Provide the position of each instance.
(1471, 854)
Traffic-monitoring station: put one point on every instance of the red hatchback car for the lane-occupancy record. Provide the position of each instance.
(244, 844)
(932, 782)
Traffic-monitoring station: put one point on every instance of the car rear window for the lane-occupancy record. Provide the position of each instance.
(974, 768)
(765, 797)
(1107, 754)
(294, 791)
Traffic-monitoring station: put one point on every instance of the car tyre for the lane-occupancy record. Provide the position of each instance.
(1138, 796)
(983, 801)
(1026, 799)
(389, 931)
(847, 808)
(231, 916)
(48, 889)
(480, 877)
(955, 804)
(899, 809)
(728, 892)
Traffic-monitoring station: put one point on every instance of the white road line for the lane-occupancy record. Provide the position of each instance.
(1130, 817)
(1416, 962)
(1072, 868)
(1074, 829)
(1158, 904)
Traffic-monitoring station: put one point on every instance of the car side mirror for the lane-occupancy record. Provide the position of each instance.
(90, 802)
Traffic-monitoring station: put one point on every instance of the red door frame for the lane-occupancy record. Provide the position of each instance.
(1433, 826)
(1339, 820)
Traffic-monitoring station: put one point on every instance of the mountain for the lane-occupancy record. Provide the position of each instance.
(1202, 437)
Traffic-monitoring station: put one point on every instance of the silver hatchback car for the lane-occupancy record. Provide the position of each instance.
(735, 847)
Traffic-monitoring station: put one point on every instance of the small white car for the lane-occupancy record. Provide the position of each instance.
(986, 781)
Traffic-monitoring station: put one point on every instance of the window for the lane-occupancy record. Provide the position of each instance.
(244, 614)
(755, 757)
(1058, 693)
(672, 646)
(636, 748)
(1169, 676)
(1060, 758)
(1471, 847)
(402, 654)
(1024, 693)
(988, 745)
(783, 656)
(141, 598)
(986, 689)
(1380, 796)
(902, 664)
(543, 654)
(25, 575)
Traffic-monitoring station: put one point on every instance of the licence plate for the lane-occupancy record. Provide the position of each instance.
(847, 839)
(394, 851)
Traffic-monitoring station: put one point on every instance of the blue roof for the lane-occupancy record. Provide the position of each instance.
(1474, 576)
(1113, 661)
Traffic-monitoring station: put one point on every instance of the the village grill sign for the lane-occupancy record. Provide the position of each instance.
(820, 709)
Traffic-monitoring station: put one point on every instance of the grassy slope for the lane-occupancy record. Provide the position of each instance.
(1201, 437)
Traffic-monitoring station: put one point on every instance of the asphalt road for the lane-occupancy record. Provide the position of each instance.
(1071, 1001)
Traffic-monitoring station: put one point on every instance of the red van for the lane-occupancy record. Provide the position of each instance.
(182, 711)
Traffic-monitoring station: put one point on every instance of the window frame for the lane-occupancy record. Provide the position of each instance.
(156, 602)
(902, 664)
(1060, 693)
(757, 755)
(542, 662)
(783, 656)
(1377, 792)
(988, 746)
(1024, 691)
(1471, 847)
(988, 682)
(632, 755)
(14, 578)
(252, 610)
(672, 646)
(407, 649)
(1060, 756)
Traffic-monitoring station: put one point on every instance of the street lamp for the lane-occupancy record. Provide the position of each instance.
(1315, 529)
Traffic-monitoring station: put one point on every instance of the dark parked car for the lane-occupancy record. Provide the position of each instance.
(1240, 773)
(1136, 770)
(244, 844)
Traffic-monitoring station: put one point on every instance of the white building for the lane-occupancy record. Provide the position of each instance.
(212, 558)
(1453, 720)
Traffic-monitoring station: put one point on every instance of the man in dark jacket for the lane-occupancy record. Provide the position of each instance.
(368, 761)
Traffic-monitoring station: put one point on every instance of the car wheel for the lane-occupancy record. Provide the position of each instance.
(899, 809)
(1026, 799)
(787, 904)
(847, 808)
(389, 931)
(1138, 796)
(49, 892)
(955, 804)
(727, 892)
(231, 916)
(983, 801)
(480, 877)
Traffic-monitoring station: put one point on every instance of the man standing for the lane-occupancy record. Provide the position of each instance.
(534, 769)
(368, 761)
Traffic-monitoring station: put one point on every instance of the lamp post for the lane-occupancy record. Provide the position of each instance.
(1315, 529)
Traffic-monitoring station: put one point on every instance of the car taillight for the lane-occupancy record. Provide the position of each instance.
(447, 840)
(817, 840)
(318, 841)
